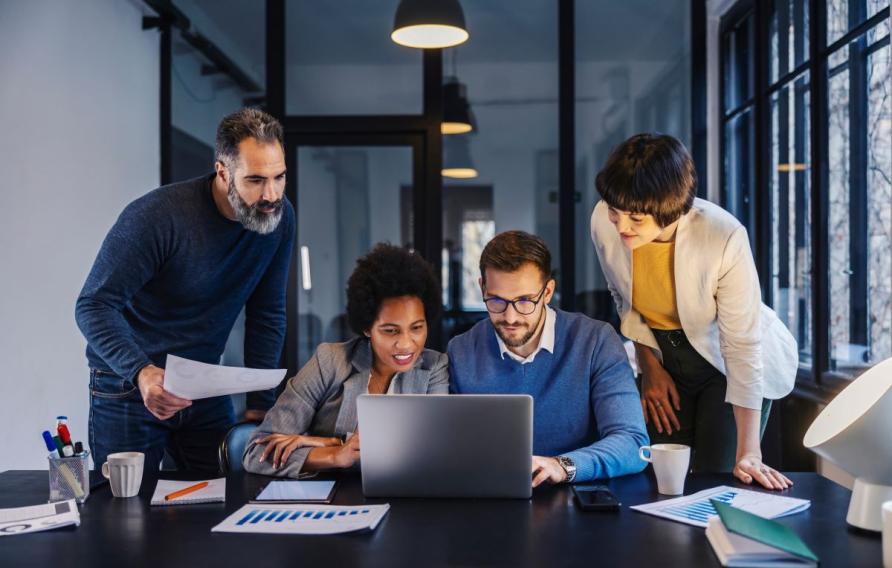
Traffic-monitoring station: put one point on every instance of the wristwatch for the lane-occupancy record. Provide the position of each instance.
(569, 467)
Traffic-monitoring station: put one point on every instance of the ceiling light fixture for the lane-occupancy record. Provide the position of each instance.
(457, 115)
(429, 24)
(457, 161)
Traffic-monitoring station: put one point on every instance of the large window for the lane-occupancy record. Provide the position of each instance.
(814, 76)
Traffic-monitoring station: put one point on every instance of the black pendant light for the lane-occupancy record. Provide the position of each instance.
(457, 115)
(429, 24)
(457, 161)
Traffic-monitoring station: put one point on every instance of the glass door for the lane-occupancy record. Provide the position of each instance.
(348, 195)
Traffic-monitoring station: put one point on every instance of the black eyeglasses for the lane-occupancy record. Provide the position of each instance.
(523, 306)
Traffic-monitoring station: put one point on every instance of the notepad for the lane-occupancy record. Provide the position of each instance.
(215, 492)
(296, 492)
(743, 539)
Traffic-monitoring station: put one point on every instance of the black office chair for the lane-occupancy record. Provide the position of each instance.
(232, 447)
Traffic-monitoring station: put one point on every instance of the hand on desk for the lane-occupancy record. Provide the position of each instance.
(281, 446)
(158, 401)
(547, 470)
(750, 467)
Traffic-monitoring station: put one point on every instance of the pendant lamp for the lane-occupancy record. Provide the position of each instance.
(457, 115)
(428, 24)
(457, 161)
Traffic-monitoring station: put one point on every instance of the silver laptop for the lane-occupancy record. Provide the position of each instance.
(446, 445)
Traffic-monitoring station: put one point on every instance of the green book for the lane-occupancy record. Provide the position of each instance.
(740, 538)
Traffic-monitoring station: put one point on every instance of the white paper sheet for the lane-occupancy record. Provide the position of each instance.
(214, 492)
(22, 520)
(303, 519)
(296, 491)
(193, 380)
(697, 510)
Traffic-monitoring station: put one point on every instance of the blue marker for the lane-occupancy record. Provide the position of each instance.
(50, 444)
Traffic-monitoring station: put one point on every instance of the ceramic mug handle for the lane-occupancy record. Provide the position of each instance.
(641, 455)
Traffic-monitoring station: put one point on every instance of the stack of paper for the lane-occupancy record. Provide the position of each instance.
(696, 509)
(23, 520)
(298, 519)
(743, 539)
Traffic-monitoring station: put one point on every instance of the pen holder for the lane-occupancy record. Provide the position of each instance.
(70, 478)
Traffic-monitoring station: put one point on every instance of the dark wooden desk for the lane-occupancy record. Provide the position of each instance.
(545, 531)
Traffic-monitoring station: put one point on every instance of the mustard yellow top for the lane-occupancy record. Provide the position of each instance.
(653, 285)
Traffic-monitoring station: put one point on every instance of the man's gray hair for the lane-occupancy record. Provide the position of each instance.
(246, 123)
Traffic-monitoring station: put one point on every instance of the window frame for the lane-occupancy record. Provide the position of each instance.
(820, 381)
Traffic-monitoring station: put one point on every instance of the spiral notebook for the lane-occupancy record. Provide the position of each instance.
(214, 492)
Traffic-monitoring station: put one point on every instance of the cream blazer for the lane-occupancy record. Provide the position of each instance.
(719, 302)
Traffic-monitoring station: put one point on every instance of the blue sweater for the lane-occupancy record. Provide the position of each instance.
(173, 275)
(586, 406)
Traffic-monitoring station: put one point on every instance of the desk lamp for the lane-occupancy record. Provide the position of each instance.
(854, 432)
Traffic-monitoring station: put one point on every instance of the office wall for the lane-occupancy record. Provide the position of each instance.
(79, 109)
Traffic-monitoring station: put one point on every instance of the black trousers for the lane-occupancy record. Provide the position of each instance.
(707, 421)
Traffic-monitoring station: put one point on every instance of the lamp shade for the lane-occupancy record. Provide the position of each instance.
(429, 24)
(853, 432)
(457, 115)
(457, 161)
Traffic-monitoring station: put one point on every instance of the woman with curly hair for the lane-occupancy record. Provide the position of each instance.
(392, 296)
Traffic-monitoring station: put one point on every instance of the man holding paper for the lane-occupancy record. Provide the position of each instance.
(171, 277)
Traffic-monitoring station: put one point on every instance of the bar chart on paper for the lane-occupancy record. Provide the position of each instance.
(702, 510)
(697, 510)
(303, 519)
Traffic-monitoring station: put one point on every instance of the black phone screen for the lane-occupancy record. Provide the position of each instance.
(595, 498)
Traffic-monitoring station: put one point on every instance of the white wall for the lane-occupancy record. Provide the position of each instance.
(79, 109)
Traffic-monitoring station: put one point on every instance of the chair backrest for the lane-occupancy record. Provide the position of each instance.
(232, 447)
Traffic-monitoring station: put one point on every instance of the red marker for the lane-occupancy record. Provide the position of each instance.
(64, 434)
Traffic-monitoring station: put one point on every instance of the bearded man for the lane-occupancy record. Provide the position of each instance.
(172, 276)
(587, 422)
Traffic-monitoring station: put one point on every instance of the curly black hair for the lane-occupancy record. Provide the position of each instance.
(388, 271)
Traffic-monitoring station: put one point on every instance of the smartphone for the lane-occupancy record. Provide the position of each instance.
(595, 498)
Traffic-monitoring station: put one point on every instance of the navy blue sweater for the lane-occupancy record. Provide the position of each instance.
(586, 406)
(172, 276)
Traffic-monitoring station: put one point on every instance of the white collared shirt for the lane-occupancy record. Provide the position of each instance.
(546, 341)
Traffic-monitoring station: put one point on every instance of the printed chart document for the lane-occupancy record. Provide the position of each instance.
(697, 510)
(193, 380)
(303, 519)
(296, 491)
(214, 492)
(22, 520)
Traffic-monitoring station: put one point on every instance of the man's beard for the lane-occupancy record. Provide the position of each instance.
(524, 339)
(250, 216)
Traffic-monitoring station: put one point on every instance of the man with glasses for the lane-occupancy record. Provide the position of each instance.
(587, 421)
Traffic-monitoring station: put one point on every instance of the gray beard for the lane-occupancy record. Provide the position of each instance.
(249, 216)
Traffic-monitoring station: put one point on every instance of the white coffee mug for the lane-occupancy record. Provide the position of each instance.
(887, 534)
(670, 463)
(124, 473)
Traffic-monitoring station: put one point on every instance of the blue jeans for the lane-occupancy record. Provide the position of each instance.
(120, 422)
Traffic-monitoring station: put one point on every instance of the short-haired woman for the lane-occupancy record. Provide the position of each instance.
(680, 269)
(392, 296)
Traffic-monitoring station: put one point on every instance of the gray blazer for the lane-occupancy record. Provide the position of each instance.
(321, 399)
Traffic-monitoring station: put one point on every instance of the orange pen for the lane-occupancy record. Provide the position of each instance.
(186, 491)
